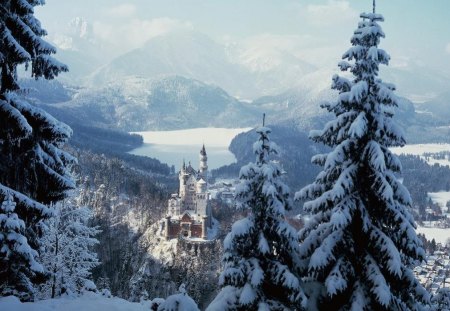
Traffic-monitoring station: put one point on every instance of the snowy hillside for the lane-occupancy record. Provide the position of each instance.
(438, 107)
(244, 69)
(245, 72)
(139, 104)
(188, 54)
(300, 105)
(428, 152)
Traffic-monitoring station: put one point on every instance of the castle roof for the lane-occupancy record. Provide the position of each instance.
(203, 150)
(190, 170)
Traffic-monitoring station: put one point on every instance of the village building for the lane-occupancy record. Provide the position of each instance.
(189, 211)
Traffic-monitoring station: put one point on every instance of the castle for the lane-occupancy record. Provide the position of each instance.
(189, 212)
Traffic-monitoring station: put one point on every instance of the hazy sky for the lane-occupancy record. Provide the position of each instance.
(417, 31)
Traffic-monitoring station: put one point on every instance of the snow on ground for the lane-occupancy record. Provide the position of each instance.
(431, 230)
(421, 149)
(438, 234)
(87, 302)
(172, 147)
(158, 247)
(440, 198)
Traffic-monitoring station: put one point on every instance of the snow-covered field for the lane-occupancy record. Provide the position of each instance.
(421, 149)
(440, 198)
(172, 147)
(438, 234)
(86, 302)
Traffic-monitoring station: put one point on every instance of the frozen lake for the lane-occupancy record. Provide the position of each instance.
(172, 147)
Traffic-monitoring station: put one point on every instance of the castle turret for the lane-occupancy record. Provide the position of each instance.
(203, 163)
(182, 178)
(201, 186)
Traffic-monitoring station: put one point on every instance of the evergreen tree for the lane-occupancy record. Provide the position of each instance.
(441, 301)
(178, 302)
(33, 168)
(260, 253)
(17, 258)
(67, 250)
(360, 245)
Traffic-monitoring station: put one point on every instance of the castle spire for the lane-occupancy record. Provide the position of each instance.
(203, 163)
(203, 151)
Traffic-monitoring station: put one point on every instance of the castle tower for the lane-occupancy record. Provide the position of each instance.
(182, 177)
(202, 198)
(203, 163)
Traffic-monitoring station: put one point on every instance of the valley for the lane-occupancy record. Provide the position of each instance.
(137, 173)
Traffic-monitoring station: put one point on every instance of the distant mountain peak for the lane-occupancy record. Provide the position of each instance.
(75, 36)
(80, 28)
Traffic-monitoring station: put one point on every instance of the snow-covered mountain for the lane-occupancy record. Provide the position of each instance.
(175, 102)
(81, 50)
(438, 107)
(187, 53)
(272, 70)
(184, 79)
(300, 106)
(245, 70)
(45, 91)
(245, 73)
(138, 104)
(417, 82)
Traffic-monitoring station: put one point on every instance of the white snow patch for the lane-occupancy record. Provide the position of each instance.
(421, 149)
(440, 198)
(164, 250)
(157, 246)
(87, 302)
(438, 234)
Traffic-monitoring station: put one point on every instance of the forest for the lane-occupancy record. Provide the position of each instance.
(324, 215)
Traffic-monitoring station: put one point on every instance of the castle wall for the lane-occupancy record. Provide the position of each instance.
(177, 228)
(174, 230)
(196, 231)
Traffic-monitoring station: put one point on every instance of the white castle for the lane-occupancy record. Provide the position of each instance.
(189, 212)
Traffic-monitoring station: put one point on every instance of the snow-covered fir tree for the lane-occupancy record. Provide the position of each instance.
(441, 301)
(17, 258)
(360, 244)
(261, 252)
(68, 249)
(177, 302)
(33, 168)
